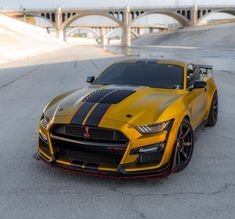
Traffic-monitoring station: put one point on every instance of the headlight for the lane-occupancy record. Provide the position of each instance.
(154, 128)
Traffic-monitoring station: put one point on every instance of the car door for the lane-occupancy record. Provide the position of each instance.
(197, 98)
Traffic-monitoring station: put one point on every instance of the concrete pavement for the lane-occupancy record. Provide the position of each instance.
(30, 189)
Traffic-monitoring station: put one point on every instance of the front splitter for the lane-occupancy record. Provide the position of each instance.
(159, 173)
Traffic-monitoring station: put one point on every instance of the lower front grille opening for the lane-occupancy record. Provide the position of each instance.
(44, 146)
(89, 155)
(150, 158)
(81, 164)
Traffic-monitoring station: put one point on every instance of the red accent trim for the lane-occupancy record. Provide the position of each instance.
(117, 148)
(35, 157)
(101, 175)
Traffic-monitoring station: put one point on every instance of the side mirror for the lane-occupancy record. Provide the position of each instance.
(199, 84)
(90, 79)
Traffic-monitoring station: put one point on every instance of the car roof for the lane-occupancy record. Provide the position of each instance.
(152, 61)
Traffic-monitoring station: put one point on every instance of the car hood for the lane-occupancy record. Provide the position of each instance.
(133, 105)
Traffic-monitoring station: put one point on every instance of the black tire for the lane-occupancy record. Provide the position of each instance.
(184, 146)
(213, 114)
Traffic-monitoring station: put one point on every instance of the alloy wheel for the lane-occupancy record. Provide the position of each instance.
(184, 146)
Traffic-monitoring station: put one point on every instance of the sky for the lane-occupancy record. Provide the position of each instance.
(15, 4)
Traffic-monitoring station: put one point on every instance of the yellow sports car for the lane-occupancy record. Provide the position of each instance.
(137, 119)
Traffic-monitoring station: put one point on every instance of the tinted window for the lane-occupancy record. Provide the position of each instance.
(141, 74)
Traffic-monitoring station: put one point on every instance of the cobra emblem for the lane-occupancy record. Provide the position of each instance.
(86, 132)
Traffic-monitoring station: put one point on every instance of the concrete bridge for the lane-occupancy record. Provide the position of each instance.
(124, 17)
(104, 31)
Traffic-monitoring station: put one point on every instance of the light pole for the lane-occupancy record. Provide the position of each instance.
(24, 14)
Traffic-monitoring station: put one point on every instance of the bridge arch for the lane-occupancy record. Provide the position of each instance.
(83, 28)
(109, 38)
(116, 29)
(205, 14)
(178, 17)
(85, 14)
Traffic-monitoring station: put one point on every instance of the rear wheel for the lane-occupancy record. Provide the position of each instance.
(184, 146)
(213, 114)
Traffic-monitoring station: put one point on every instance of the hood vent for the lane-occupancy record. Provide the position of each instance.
(108, 96)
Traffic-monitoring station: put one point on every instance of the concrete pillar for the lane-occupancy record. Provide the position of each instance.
(126, 29)
(58, 24)
(194, 14)
(140, 31)
(103, 36)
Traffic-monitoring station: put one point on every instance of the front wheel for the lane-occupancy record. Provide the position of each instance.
(184, 146)
(213, 114)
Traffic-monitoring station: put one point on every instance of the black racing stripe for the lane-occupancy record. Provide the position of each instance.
(96, 96)
(117, 96)
(82, 113)
(97, 114)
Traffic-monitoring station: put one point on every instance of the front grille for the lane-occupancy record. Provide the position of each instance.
(103, 146)
(96, 134)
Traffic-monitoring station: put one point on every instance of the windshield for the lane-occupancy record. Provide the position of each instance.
(143, 74)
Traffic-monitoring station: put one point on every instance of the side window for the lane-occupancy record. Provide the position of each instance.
(193, 74)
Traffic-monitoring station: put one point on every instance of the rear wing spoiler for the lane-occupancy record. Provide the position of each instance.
(206, 68)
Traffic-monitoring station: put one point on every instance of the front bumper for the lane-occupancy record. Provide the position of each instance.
(128, 167)
(161, 173)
